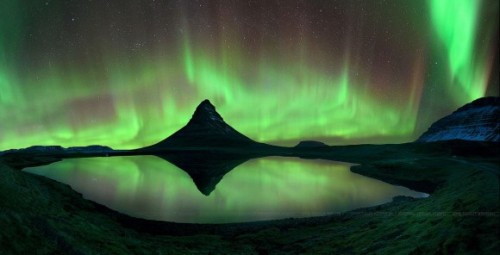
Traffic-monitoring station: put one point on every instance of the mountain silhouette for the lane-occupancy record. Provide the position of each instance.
(205, 129)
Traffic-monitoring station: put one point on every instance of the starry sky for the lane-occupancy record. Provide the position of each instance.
(130, 73)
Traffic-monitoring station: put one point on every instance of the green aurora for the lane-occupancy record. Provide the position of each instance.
(455, 22)
(128, 74)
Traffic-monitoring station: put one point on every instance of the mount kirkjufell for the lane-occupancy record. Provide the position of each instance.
(205, 129)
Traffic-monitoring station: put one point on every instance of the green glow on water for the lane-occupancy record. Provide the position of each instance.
(261, 189)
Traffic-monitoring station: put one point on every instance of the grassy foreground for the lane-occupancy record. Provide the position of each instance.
(41, 216)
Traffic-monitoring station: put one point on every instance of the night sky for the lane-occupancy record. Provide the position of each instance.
(130, 73)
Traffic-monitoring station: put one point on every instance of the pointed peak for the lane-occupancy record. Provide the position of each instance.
(206, 102)
(205, 105)
(206, 111)
(206, 128)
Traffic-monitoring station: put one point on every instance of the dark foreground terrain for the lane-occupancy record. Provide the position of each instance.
(461, 216)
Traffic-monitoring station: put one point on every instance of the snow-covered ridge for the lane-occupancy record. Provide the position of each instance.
(476, 121)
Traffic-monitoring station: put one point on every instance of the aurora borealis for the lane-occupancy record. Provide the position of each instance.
(129, 73)
(149, 187)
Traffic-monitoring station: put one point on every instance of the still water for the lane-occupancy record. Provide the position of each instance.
(259, 189)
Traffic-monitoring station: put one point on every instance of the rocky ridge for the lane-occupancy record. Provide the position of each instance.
(476, 121)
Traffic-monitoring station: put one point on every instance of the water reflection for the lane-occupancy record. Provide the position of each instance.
(260, 189)
(205, 168)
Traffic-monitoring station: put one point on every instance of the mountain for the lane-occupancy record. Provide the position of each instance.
(475, 121)
(205, 129)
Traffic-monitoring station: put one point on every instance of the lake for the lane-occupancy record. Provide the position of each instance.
(260, 189)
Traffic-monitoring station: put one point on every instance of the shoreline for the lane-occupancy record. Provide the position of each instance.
(463, 199)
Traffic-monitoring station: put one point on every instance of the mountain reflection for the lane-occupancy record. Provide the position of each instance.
(205, 168)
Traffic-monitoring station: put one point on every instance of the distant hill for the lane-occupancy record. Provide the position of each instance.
(310, 145)
(476, 121)
(59, 150)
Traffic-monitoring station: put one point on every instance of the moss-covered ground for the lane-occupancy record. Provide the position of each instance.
(461, 215)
